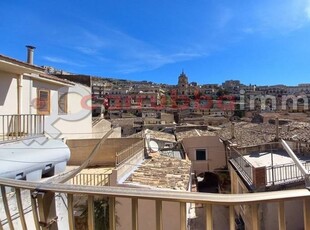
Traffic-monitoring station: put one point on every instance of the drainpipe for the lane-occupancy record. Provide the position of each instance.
(19, 94)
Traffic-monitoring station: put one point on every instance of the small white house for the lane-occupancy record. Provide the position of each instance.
(25, 89)
(36, 111)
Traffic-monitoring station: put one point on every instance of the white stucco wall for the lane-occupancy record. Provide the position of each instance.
(8, 98)
(214, 149)
(8, 93)
(27, 96)
(77, 123)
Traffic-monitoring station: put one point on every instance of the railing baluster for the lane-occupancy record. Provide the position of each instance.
(112, 219)
(182, 216)
(3, 132)
(34, 211)
(209, 216)
(38, 120)
(91, 211)
(27, 124)
(232, 221)
(20, 208)
(70, 212)
(10, 129)
(16, 126)
(24, 125)
(134, 213)
(306, 209)
(159, 214)
(30, 124)
(254, 214)
(6, 207)
(1, 228)
(43, 124)
(35, 124)
(281, 215)
(47, 210)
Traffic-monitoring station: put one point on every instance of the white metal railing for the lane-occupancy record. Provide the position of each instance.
(243, 166)
(14, 127)
(44, 215)
(285, 173)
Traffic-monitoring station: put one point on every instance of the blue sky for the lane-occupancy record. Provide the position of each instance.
(258, 42)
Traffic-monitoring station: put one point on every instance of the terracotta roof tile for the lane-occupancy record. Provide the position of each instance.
(25, 64)
(250, 134)
(162, 172)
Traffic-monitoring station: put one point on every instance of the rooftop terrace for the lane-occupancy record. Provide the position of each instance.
(275, 165)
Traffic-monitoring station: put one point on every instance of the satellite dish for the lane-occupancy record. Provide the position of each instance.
(153, 146)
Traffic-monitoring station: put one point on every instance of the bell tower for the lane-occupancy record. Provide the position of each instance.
(183, 84)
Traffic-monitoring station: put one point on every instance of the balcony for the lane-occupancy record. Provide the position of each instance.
(269, 165)
(44, 216)
(88, 204)
(16, 127)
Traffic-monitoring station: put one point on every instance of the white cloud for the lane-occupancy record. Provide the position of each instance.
(130, 54)
(148, 61)
(87, 50)
(282, 16)
(307, 9)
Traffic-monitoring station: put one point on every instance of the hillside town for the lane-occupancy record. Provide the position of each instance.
(85, 152)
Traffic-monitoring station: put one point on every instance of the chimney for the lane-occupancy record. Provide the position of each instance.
(30, 50)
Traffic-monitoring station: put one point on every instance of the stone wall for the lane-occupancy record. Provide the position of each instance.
(80, 150)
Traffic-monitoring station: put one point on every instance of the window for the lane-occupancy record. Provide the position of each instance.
(43, 102)
(62, 102)
(201, 155)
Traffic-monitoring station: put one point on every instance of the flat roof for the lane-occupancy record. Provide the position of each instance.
(260, 159)
(280, 168)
